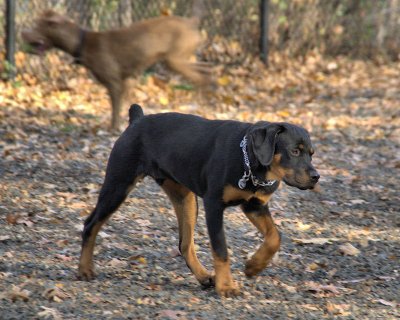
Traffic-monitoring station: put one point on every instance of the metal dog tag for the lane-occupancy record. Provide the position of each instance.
(242, 183)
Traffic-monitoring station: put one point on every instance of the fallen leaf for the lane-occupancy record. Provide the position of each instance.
(85, 212)
(142, 260)
(357, 201)
(139, 259)
(164, 101)
(49, 313)
(174, 252)
(55, 294)
(303, 227)
(338, 309)
(4, 238)
(17, 293)
(154, 287)
(26, 222)
(223, 81)
(62, 243)
(349, 249)
(283, 113)
(78, 205)
(289, 288)
(312, 267)
(145, 301)
(143, 222)
(319, 241)
(116, 263)
(310, 307)
(63, 257)
(321, 288)
(172, 314)
(104, 234)
(12, 218)
(392, 304)
(94, 299)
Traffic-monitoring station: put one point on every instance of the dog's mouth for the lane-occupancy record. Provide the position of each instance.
(303, 185)
(34, 44)
(37, 47)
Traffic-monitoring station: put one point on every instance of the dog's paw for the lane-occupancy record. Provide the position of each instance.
(86, 273)
(253, 268)
(207, 280)
(228, 290)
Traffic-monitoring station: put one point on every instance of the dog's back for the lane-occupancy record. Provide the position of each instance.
(176, 141)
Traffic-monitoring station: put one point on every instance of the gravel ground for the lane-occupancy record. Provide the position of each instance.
(339, 257)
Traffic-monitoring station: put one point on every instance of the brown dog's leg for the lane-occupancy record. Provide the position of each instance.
(115, 91)
(185, 205)
(261, 218)
(187, 69)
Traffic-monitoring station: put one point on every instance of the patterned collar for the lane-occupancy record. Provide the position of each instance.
(248, 174)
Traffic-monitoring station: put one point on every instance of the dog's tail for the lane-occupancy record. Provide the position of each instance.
(135, 112)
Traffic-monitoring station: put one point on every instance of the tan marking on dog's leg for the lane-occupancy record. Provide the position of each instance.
(269, 247)
(86, 268)
(224, 283)
(184, 202)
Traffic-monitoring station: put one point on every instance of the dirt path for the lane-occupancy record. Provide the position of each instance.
(340, 251)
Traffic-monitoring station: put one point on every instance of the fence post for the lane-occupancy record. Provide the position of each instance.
(10, 38)
(264, 50)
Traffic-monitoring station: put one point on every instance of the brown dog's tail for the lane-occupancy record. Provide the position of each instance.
(135, 112)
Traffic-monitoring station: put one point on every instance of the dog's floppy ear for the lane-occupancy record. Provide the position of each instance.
(263, 140)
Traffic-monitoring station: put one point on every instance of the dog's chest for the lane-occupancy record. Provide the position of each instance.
(234, 195)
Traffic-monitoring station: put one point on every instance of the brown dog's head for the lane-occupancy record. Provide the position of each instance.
(50, 30)
(286, 151)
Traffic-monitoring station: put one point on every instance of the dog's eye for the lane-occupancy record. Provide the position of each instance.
(295, 152)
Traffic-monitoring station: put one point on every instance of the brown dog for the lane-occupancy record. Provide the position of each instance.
(112, 56)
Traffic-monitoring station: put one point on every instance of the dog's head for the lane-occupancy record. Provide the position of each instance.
(47, 32)
(286, 151)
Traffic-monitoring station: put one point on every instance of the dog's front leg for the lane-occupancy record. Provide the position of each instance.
(224, 283)
(260, 216)
(185, 204)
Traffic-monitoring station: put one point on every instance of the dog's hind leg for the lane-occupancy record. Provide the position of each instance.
(185, 205)
(117, 184)
(110, 198)
(260, 217)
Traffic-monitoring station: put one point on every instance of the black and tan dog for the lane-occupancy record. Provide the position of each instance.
(225, 162)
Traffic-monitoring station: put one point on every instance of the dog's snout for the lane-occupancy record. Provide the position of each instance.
(314, 176)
